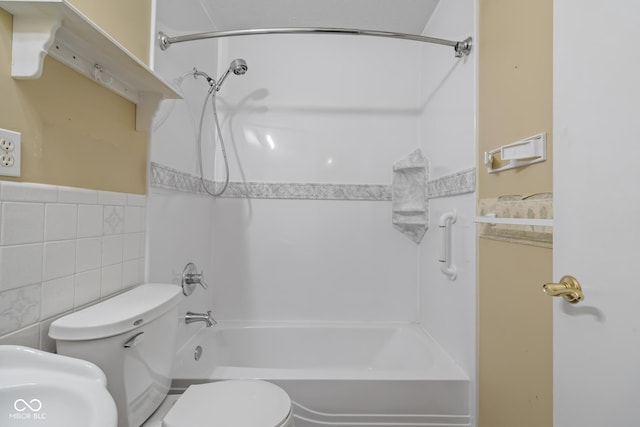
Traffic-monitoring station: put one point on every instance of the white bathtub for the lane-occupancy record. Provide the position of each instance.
(337, 374)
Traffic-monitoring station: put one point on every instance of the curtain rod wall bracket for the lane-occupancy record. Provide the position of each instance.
(462, 48)
(163, 41)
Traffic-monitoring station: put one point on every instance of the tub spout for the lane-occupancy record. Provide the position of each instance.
(200, 317)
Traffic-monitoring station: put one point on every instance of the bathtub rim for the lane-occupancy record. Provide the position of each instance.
(453, 372)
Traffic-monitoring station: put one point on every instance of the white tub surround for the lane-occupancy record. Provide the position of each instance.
(288, 242)
(448, 135)
(63, 248)
(392, 373)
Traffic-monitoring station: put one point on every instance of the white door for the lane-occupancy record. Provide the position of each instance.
(597, 212)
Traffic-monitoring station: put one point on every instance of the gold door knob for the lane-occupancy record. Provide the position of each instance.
(569, 288)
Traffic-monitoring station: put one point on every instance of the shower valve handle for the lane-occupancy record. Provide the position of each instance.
(191, 278)
(195, 279)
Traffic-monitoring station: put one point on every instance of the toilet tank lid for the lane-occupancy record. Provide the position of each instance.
(117, 315)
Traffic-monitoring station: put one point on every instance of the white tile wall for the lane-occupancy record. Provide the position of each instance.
(21, 223)
(19, 307)
(20, 265)
(60, 222)
(57, 296)
(130, 273)
(27, 192)
(62, 248)
(113, 218)
(59, 259)
(88, 254)
(77, 195)
(111, 198)
(90, 220)
(133, 245)
(111, 279)
(112, 249)
(132, 219)
(87, 287)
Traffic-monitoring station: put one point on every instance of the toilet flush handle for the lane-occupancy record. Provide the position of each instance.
(134, 340)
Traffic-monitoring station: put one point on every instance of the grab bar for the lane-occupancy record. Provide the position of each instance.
(446, 265)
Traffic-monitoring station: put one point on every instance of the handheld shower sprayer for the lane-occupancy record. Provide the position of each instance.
(237, 66)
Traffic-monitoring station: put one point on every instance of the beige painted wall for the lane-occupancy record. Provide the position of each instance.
(515, 84)
(74, 132)
(127, 21)
(515, 317)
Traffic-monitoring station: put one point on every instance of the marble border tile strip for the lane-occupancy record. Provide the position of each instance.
(462, 182)
(173, 179)
(308, 191)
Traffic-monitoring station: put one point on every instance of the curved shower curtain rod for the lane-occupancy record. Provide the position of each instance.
(462, 48)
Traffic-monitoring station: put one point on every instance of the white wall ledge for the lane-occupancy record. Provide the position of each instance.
(514, 221)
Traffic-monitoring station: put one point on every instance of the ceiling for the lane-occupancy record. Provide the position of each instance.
(407, 16)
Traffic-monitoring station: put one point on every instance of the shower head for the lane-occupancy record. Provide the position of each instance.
(238, 66)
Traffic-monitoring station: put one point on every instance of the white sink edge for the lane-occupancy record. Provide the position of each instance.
(66, 392)
(44, 366)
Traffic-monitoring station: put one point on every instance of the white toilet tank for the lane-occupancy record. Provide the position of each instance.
(131, 338)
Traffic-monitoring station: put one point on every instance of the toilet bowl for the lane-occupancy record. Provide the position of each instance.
(246, 403)
(131, 337)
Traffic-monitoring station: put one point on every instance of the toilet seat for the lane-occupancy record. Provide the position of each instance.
(238, 403)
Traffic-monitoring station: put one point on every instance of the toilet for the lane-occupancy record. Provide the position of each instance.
(132, 336)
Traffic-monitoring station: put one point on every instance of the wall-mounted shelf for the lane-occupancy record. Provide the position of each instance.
(514, 221)
(57, 28)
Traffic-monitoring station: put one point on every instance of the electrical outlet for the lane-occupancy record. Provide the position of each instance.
(10, 151)
(7, 145)
(7, 160)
